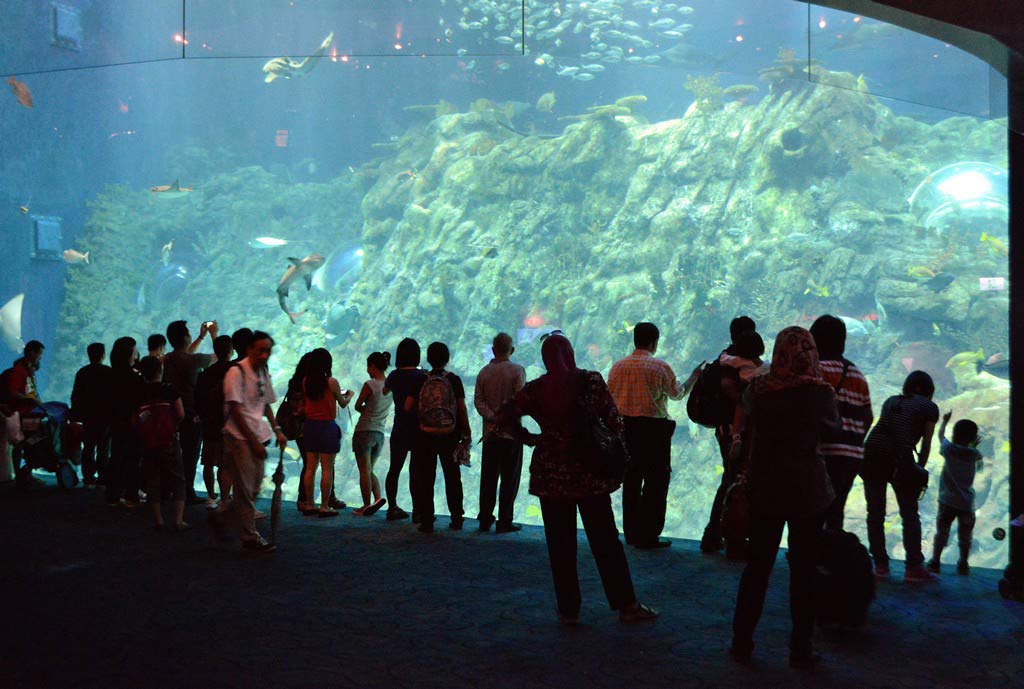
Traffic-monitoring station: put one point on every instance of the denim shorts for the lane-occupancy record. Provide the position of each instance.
(367, 443)
(321, 436)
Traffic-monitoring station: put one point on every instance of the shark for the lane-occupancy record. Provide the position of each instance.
(300, 269)
(286, 67)
(171, 191)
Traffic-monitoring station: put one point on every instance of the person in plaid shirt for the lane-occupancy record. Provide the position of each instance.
(641, 386)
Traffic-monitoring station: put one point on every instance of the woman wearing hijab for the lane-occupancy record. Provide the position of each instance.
(561, 475)
(785, 411)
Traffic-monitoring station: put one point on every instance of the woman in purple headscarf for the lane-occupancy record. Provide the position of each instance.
(562, 476)
(785, 412)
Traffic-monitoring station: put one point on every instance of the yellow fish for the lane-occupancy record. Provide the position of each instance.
(995, 246)
(816, 289)
(965, 359)
(546, 102)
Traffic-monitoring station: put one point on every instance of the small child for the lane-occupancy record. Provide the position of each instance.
(368, 438)
(956, 490)
(156, 421)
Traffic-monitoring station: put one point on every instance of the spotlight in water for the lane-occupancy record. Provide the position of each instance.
(398, 46)
(178, 38)
(822, 23)
(739, 38)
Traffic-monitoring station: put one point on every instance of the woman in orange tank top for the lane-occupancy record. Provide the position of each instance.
(321, 435)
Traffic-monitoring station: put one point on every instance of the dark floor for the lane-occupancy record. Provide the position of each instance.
(96, 598)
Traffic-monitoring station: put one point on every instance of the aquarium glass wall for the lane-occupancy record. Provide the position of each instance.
(473, 166)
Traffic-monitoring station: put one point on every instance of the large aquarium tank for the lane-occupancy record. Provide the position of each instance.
(465, 167)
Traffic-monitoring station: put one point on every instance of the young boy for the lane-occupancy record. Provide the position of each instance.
(956, 490)
(156, 421)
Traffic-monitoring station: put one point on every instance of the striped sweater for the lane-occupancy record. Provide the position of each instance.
(854, 402)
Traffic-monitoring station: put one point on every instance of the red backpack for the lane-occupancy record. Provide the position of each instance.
(157, 424)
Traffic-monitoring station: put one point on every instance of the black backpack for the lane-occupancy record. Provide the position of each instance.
(708, 404)
(210, 397)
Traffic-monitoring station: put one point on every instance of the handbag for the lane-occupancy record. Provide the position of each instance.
(288, 420)
(911, 476)
(605, 451)
(736, 511)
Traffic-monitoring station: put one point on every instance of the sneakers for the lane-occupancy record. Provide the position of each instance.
(917, 574)
(882, 572)
(209, 503)
(508, 528)
(259, 515)
(934, 566)
(397, 513)
(962, 568)
(371, 510)
(337, 504)
(455, 525)
(259, 545)
(641, 613)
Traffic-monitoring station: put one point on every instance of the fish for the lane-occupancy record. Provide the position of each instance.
(489, 252)
(940, 282)
(267, 242)
(21, 92)
(995, 246)
(71, 256)
(165, 252)
(855, 329)
(300, 269)
(921, 272)
(965, 359)
(340, 271)
(997, 364)
(171, 191)
(546, 102)
(23, 209)
(286, 68)
(583, 76)
(816, 289)
(10, 323)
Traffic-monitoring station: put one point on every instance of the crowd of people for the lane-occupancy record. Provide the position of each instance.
(793, 436)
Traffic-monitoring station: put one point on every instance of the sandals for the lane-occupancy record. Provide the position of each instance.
(641, 613)
(370, 510)
(326, 514)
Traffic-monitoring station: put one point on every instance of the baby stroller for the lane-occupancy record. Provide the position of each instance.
(47, 431)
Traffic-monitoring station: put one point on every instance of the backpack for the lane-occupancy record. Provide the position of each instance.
(290, 416)
(210, 399)
(156, 424)
(844, 581)
(708, 405)
(437, 408)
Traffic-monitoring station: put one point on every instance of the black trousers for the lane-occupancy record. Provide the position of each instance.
(713, 531)
(841, 471)
(502, 459)
(599, 523)
(765, 537)
(645, 485)
(123, 477)
(95, 449)
(190, 435)
(402, 444)
(429, 451)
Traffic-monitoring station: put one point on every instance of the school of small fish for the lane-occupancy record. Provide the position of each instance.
(608, 31)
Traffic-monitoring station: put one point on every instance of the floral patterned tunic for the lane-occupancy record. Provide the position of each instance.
(558, 468)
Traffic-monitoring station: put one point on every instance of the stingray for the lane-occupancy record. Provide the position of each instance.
(10, 323)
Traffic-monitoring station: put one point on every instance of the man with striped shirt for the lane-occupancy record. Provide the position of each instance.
(844, 448)
(641, 386)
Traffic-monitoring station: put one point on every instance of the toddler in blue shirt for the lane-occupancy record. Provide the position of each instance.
(956, 490)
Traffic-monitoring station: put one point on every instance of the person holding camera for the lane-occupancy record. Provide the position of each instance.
(906, 420)
(181, 371)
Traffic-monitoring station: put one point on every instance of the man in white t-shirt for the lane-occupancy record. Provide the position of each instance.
(248, 431)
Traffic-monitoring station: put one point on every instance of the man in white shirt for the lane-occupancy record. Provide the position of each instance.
(248, 431)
